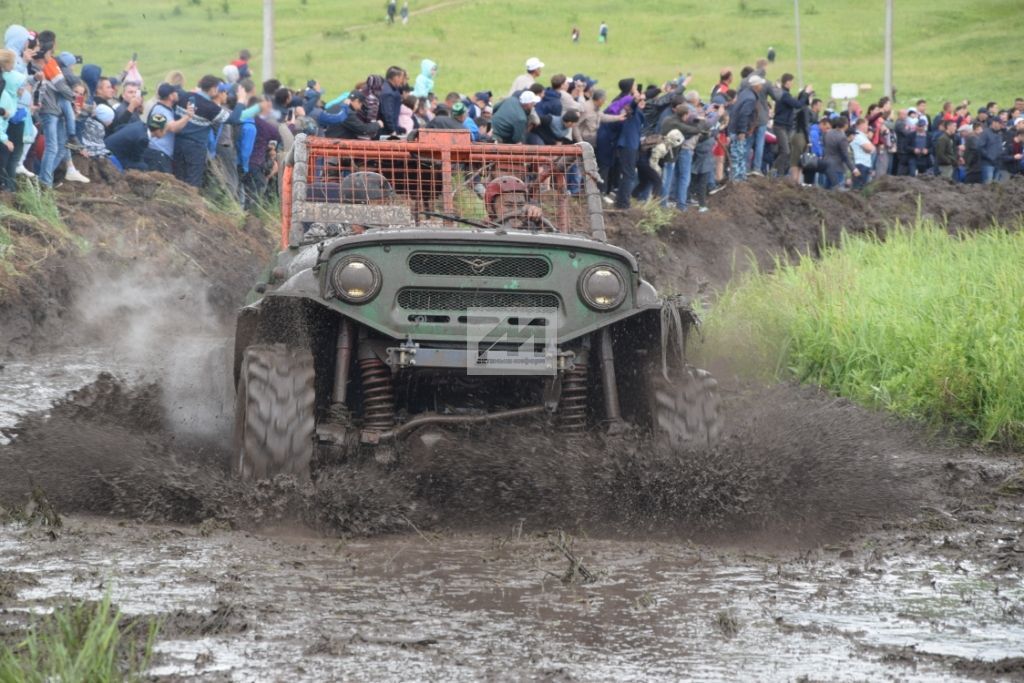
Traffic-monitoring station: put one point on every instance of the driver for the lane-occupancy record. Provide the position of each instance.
(507, 201)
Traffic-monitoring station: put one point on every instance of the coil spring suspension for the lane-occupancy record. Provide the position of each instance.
(378, 393)
(572, 407)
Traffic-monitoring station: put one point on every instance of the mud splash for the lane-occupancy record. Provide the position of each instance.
(793, 462)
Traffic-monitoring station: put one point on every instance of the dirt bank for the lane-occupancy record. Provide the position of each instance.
(136, 225)
(761, 219)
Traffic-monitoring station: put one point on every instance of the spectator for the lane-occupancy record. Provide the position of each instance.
(160, 155)
(231, 74)
(425, 81)
(406, 114)
(551, 101)
(837, 155)
(678, 176)
(591, 117)
(863, 151)
(921, 159)
(12, 120)
(405, 12)
(509, 122)
(703, 168)
(392, 10)
(742, 124)
(882, 137)
(192, 143)
(608, 135)
(990, 151)
(443, 119)
(242, 64)
(94, 132)
(787, 108)
(460, 114)
(524, 81)
(663, 160)
(557, 129)
(628, 151)
(946, 157)
(721, 88)
(356, 125)
(129, 106)
(602, 33)
(52, 90)
(129, 145)
(391, 101)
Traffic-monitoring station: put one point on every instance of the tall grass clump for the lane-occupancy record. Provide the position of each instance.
(922, 323)
(37, 208)
(83, 642)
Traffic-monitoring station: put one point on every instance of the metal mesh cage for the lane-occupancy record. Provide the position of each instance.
(444, 180)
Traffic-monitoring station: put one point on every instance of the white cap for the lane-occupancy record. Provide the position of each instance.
(527, 97)
(532, 64)
(755, 80)
(1019, 120)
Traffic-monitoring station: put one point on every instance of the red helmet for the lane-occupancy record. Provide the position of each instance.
(506, 184)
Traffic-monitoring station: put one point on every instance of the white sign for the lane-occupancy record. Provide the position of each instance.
(512, 341)
(844, 91)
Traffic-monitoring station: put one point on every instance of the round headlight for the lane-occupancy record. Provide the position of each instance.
(602, 288)
(356, 279)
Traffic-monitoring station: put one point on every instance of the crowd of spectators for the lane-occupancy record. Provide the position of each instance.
(663, 141)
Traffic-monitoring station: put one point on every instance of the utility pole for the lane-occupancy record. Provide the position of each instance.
(268, 39)
(799, 58)
(888, 49)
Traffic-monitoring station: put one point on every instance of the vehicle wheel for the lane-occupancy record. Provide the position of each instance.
(684, 410)
(274, 412)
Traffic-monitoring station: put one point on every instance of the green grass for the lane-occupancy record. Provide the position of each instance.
(942, 49)
(655, 217)
(79, 643)
(923, 324)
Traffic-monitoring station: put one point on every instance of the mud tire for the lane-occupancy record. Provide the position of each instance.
(274, 412)
(685, 409)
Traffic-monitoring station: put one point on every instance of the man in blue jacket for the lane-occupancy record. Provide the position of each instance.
(628, 149)
(391, 100)
(742, 122)
(129, 144)
(991, 150)
(208, 116)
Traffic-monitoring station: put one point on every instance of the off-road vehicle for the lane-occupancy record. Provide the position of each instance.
(432, 283)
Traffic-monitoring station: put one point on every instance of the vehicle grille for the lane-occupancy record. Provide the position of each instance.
(476, 265)
(461, 299)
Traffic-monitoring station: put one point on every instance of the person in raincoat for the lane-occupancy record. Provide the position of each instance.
(425, 81)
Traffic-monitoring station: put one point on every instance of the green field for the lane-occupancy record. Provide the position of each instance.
(923, 324)
(943, 49)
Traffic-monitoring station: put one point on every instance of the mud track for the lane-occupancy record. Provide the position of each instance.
(817, 540)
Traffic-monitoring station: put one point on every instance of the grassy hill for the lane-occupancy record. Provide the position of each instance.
(944, 49)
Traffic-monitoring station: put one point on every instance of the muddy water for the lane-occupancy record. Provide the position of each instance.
(470, 606)
(929, 599)
(30, 385)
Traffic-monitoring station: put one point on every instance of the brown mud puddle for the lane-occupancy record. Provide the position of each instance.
(908, 605)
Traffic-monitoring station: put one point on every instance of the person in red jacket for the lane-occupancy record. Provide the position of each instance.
(242, 64)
